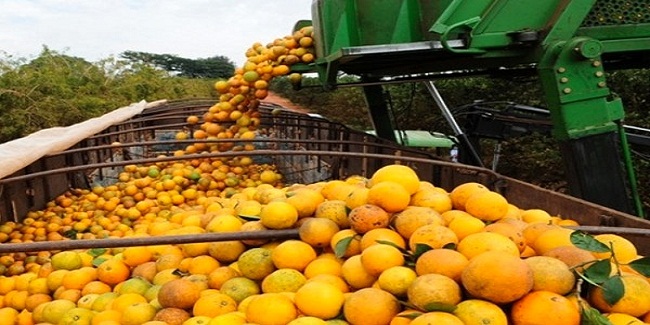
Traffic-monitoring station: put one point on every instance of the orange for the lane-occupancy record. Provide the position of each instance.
(319, 299)
(572, 256)
(442, 261)
(256, 263)
(382, 236)
(77, 315)
(433, 199)
(8, 315)
(370, 306)
(405, 317)
(624, 319)
(333, 280)
(509, 230)
(635, 300)
(498, 277)
(535, 216)
(203, 264)
(122, 301)
(357, 197)
(434, 289)
(407, 221)
(220, 275)
(138, 313)
(377, 258)
(105, 316)
(234, 318)
(463, 226)
(481, 242)
(54, 310)
(278, 215)
(214, 305)
(396, 280)
(479, 312)
(403, 175)
(271, 309)
(307, 320)
(434, 236)
(318, 232)
(367, 217)
(355, 274)
(552, 238)
(239, 288)
(334, 210)
(623, 249)
(438, 318)
(487, 206)
(544, 307)
(172, 315)
(179, 293)
(461, 193)
(283, 280)
(551, 274)
(293, 254)
(66, 260)
(346, 242)
(226, 251)
(323, 266)
(33, 301)
(97, 287)
(390, 196)
(305, 201)
(113, 271)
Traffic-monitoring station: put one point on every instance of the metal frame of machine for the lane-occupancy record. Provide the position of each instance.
(568, 43)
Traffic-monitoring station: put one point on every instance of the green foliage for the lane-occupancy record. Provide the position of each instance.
(215, 67)
(55, 89)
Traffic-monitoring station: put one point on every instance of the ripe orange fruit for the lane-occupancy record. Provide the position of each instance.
(239, 288)
(323, 266)
(461, 193)
(434, 289)
(66, 260)
(355, 274)
(442, 261)
(400, 174)
(497, 277)
(572, 256)
(271, 309)
(476, 312)
(551, 274)
(635, 300)
(433, 199)
(396, 280)
(552, 238)
(544, 307)
(407, 221)
(220, 275)
(367, 217)
(113, 271)
(319, 299)
(370, 306)
(382, 236)
(214, 305)
(535, 216)
(293, 254)
(350, 237)
(509, 230)
(278, 215)
(334, 210)
(438, 318)
(179, 293)
(464, 225)
(624, 250)
(433, 235)
(390, 196)
(377, 258)
(318, 232)
(481, 242)
(487, 206)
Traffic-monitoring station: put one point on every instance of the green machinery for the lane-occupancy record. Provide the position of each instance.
(568, 43)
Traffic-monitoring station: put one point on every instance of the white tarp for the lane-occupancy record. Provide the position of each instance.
(19, 153)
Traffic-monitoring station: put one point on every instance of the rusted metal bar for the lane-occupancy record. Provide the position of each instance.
(147, 241)
(613, 230)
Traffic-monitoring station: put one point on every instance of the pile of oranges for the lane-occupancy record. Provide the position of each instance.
(389, 249)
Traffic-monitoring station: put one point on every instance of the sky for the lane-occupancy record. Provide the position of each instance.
(193, 29)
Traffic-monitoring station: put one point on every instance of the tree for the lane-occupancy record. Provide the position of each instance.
(215, 67)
